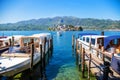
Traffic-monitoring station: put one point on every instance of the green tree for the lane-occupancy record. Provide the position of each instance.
(80, 28)
(71, 26)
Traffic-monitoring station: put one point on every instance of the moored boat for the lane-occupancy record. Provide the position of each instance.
(6, 42)
(18, 58)
(59, 33)
(102, 47)
(3, 44)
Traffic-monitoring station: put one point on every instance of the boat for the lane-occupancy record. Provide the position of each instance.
(17, 58)
(93, 40)
(3, 44)
(101, 44)
(6, 42)
(3, 37)
(59, 33)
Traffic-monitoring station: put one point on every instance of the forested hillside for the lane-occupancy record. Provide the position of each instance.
(44, 23)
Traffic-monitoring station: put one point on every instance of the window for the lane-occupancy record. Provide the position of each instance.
(87, 39)
(83, 38)
(93, 41)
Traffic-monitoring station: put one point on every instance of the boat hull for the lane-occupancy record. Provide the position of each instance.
(3, 49)
(19, 67)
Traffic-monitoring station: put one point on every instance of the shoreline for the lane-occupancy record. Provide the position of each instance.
(101, 30)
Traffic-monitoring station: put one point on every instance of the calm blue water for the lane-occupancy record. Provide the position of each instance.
(62, 64)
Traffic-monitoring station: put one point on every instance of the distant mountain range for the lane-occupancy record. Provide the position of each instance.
(44, 23)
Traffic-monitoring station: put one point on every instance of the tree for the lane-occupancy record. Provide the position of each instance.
(71, 26)
(49, 29)
(80, 28)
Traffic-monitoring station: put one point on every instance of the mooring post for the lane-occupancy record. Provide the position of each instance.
(48, 51)
(80, 52)
(77, 52)
(44, 53)
(97, 52)
(10, 42)
(106, 70)
(73, 42)
(90, 45)
(89, 66)
(52, 42)
(76, 45)
(44, 57)
(102, 33)
(103, 56)
(83, 63)
(8, 78)
(76, 59)
(41, 61)
(32, 56)
(112, 55)
(80, 48)
(51, 45)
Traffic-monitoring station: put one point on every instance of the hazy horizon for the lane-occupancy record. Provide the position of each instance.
(12, 11)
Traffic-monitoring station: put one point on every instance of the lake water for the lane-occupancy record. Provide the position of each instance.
(62, 65)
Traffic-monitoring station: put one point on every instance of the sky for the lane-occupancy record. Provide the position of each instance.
(12, 11)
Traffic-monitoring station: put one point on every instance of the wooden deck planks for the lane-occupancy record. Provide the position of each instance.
(95, 67)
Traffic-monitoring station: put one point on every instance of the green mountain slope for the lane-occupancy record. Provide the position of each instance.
(44, 23)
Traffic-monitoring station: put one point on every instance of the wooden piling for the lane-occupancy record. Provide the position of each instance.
(73, 42)
(48, 51)
(106, 70)
(112, 55)
(90, 46)
(32, 56)
(76, 45)
(50, 47)
(80, 48)
(103, 56)
(52, 43)
(77, 52)
(10, 42)
(80, 52)
(77, 59)
(41, 60)
(89, 65)
(97, 52)
(44, 51)
(102, 33)
(44, 57)
(83, 62)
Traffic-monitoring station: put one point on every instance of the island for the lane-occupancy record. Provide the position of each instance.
(63, 27)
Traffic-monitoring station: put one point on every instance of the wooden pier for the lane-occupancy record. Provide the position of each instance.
(99, 67)
(39, 53)
(46, 49)
(39, 70)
